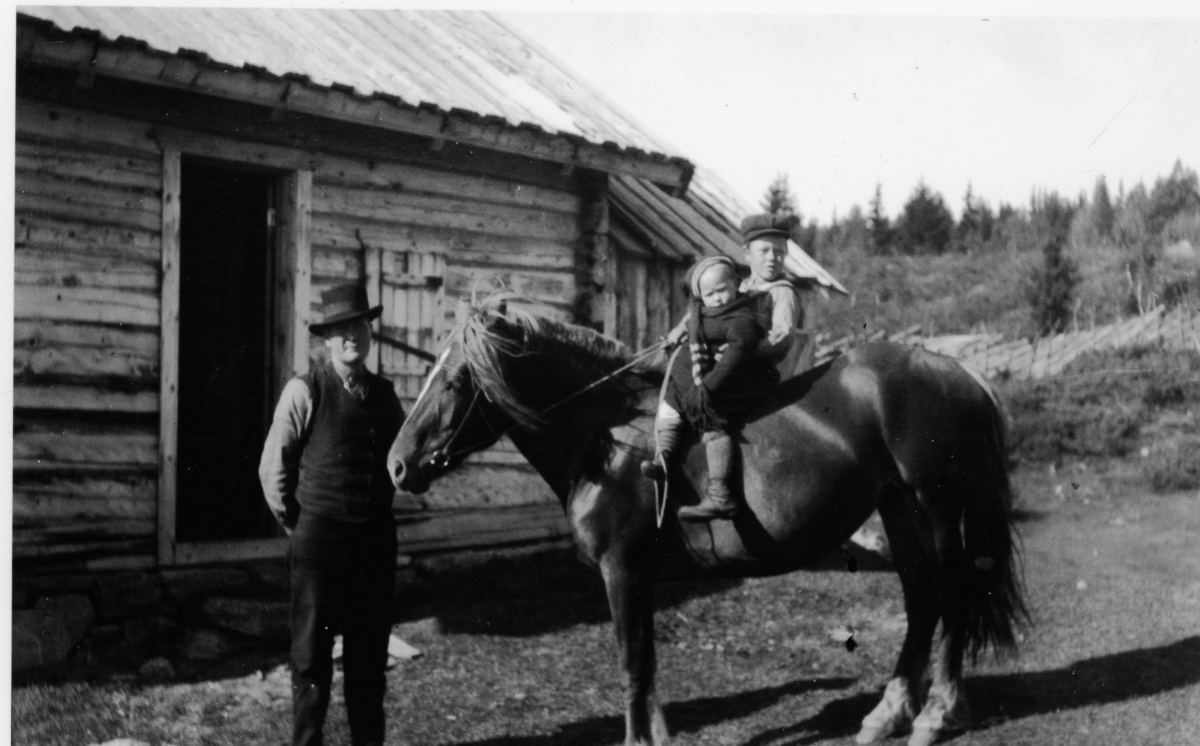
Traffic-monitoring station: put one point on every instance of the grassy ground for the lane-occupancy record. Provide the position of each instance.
(1112, 403)
(526, 658)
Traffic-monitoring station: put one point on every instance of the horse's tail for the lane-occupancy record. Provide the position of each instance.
(997, 604)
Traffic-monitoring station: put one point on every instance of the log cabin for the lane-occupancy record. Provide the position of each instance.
(189, 180)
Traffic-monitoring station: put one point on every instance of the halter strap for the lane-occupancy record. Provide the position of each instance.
(442, 457)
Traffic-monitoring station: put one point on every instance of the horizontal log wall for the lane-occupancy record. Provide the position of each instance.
(87, 344)
(436, 237)
(86, 341)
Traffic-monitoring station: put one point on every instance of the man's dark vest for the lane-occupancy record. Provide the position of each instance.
(343, 468)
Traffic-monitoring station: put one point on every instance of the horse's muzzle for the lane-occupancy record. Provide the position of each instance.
(406, 479)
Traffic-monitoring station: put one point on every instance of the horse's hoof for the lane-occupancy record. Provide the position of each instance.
(944, 714)
(873, 733)
(923, 737)
(878, 728)
(892, 715)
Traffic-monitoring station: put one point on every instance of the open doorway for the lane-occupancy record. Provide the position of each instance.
(226, 370)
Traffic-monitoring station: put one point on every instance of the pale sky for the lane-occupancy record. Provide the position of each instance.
(841, 103)
(1008, 97)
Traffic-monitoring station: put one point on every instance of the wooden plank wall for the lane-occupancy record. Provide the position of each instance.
(649, 294)
(88, 312)
(424, 239)
(86, 345)
(483, 229)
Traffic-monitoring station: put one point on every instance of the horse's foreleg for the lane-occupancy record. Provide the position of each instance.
(902, 697)
(631, 599)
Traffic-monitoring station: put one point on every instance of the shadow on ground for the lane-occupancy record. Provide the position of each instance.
(535, 596)
(998, 698)
(532, 596)
(683, 717)
(1122, 676)
(995, 699)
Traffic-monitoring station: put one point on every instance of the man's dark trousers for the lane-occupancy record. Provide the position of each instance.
(343, 577)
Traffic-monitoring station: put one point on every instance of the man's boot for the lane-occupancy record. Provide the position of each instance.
(718, 499)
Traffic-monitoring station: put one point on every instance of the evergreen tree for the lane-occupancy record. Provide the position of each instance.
(779, 200)
(879, 225)
(1102, 212)
(1050, 215)
(854, 228)
(806, 236)
(926, 225)
(1178, 193)
(974, 229)
(1053, 288)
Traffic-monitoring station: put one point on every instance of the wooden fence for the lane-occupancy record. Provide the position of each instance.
(1024, 358)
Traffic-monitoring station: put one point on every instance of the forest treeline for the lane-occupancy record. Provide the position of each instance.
(1029, 270)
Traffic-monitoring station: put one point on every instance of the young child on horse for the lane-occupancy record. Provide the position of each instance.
(715, 395)
(716, 386)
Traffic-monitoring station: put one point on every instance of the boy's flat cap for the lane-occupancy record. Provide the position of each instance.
(757, 226)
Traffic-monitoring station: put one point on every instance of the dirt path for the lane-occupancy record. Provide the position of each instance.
(1113, 578)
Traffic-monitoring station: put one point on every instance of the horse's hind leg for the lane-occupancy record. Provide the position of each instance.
(901, 699)
(630, 589)
(946, 708)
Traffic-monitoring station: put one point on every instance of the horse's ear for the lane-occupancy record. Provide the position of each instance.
(502, 307)
(462, 311)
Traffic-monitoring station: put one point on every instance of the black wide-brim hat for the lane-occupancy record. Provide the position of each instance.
(344, 303)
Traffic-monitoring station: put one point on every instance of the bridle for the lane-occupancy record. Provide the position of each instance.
(442, 457)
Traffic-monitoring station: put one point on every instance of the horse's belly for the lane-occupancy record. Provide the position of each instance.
(748, 546)
(798, 504)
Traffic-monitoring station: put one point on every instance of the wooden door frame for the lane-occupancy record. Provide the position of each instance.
(292, 267)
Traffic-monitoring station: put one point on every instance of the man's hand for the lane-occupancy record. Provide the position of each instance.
(775, 336)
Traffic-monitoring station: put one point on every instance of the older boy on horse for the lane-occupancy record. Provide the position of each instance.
(725, 378)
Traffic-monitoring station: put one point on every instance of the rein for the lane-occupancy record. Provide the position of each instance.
(441, 458)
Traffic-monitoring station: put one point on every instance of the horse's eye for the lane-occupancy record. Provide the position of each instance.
(454, 382)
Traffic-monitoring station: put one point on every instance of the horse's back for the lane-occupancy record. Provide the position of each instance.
(833, 442)
(938, 418)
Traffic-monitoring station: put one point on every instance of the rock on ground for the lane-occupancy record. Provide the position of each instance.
(250, 616)
(157, 669)
(207, 644)
(45, 634)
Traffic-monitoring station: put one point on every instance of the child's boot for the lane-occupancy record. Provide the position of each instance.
(718, 499)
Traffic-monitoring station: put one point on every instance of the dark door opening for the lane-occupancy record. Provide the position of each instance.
(225, 366)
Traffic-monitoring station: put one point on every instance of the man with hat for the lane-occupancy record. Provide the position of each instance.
(324, 475)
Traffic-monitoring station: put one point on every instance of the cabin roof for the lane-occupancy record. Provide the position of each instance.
(448, 60)
(464, 76)
(454, 76)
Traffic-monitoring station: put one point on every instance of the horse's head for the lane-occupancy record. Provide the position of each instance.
(502, 368)
(464, 405)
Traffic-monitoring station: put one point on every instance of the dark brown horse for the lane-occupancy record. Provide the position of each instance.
(884, 427)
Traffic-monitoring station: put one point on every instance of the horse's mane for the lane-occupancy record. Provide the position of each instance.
(587, 354)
